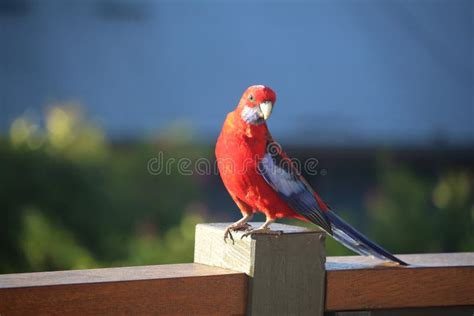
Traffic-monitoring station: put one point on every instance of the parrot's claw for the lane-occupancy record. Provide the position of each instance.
(267, 231)
(235, 227)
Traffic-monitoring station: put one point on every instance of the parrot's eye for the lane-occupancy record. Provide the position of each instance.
(251, 98)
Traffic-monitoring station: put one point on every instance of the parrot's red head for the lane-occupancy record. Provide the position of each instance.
(256, 104)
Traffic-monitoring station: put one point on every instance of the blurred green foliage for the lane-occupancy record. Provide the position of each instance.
(410, 213)
(69, 200)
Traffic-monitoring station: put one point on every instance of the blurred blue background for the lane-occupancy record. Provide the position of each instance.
(346, 72)
(381, 92)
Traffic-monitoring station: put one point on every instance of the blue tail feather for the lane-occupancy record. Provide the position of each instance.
(354, 240)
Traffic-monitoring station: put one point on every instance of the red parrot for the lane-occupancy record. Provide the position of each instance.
(260, 177)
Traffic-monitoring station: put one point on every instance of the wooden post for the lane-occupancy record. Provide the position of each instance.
(287, 272)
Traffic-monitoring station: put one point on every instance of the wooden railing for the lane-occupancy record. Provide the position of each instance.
(175, 289)
(265, 275)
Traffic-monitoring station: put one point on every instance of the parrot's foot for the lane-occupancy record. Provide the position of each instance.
(265, 230)
(233, 228)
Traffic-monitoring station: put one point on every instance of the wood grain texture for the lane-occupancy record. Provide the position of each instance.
(433, 280)
(184, 289)
(286, 271)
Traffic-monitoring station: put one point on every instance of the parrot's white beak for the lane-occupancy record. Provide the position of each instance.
(266, 109)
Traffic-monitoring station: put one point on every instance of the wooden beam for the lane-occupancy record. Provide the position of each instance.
(191, 289)
(286, 276)
(286, 271)
(433, 280)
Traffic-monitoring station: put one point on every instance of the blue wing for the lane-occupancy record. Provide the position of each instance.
(280, 173)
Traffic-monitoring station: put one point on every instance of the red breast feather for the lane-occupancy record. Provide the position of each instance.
(239, 149)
